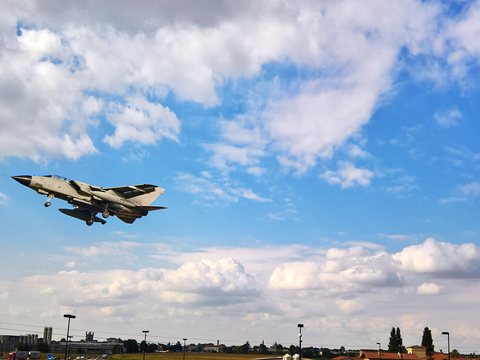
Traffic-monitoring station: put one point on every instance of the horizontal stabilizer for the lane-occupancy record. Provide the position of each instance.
(127, 219)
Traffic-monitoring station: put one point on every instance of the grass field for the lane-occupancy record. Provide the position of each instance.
(176, 356)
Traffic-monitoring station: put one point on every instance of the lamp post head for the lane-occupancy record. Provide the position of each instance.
(445, 333)
(69, 316)
(145, 331)
(300, 325)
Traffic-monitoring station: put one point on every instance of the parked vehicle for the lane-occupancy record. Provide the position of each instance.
(34, 354)
(18, 355)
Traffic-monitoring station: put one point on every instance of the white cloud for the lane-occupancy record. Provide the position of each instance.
(141, 121)
(365, 244)
(227, 154)
(440, 258)
(356, 151)
(121, 248)
(395, 236)
(256, 171)
(356, 251)
(449, 200)
(470, 189)
(428, 288)
(3, 199)
(211, 190)
(264, 286)
(351, 307)
(348, 175)
(449, 117)
(248, 194)
(116, 51)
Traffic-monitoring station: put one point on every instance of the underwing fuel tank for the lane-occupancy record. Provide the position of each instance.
(84, 215)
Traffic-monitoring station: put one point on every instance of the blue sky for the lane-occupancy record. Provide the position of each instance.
(320, 160)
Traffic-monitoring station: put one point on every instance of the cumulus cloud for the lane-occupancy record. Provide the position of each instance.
(141, 121)
(351, 307)
(213, 282)
(348, 175)
(259, 285)
(115, 52)
(428, 288)
(441, 259)
(343, 271)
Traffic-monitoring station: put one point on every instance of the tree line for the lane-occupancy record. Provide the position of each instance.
(395, 343)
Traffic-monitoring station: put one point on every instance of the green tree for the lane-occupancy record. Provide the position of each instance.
(454, 353)
(117, 349)
(400, 347)
(392, 342)
(279, 349)
(131, 345)
(22, 347)
(427, 340)
(342, 349)
(42, 346)
(263, 349)
(395, 343)
(245, 347)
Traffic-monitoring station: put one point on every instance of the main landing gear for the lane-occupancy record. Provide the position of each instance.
(48, 203)
(105, 212)
(92, 216)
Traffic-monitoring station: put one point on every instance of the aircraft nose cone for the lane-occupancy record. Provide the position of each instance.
(23, 179)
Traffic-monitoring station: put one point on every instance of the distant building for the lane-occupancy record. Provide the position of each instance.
(379, 355)
(47, 335)
(214, 348)
(9, 342)
(413, 353)
(91, 346)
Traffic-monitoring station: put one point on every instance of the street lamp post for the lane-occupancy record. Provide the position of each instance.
(145, 345)
(300, 326)
(448, 338)
(379, 349)
(184, 346)
(68, 332)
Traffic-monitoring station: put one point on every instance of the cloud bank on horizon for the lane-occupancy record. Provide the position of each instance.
(340, 137)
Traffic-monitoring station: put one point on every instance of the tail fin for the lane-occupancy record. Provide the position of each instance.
(148, 198)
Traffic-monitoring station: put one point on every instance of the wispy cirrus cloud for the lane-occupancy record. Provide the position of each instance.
(448, 118)
(3, 199)
(210, 189)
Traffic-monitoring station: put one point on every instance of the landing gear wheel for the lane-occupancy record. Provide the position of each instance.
(47, 204)
(106, 214)
(89, 222)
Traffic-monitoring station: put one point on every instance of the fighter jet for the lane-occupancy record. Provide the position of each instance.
(128, 203)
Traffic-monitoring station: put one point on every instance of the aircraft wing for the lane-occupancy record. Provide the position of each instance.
(141, 195)
(134, 190)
